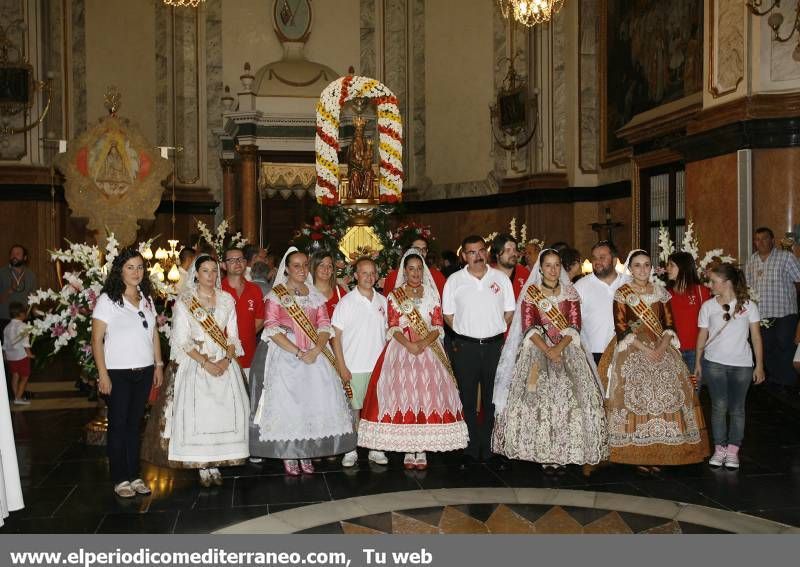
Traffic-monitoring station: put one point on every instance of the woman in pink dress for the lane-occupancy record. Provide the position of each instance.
(302, 412)
(412, 403)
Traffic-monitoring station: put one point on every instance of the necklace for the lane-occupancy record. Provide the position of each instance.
(19, 283)
(555, 287)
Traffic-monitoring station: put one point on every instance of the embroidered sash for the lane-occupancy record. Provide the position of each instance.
(299, 316)
(207, 322)
(535, 296)
(410, 310)
(641, 309)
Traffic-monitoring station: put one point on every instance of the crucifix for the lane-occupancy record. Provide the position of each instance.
(608, 226)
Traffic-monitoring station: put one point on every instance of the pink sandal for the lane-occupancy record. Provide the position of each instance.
(291, 467)
(307, 466)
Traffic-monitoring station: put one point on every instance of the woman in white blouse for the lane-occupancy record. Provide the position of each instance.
(127, 352)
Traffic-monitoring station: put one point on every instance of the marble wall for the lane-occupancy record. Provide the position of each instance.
(712, 201)
(458, 135)
(776, 189)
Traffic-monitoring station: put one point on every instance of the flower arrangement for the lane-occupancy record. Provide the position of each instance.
(691, 244)
(390, 137)
(219, 239)
(63, 318)
(320, 234)
(521, 238)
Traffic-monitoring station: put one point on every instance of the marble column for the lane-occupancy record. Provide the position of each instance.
(229, 190)
(249, 191)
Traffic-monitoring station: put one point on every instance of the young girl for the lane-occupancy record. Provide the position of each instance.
(17, 351)
(725, 359)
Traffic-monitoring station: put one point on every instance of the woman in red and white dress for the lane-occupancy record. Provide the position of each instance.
(412, 403)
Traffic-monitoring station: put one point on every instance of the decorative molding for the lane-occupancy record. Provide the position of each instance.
(757, 133)
(558, 84)
(535, 181)
(588, 116)
(726, 44)
(662, 120)
(368, 41)
(786, 105)
(618, 190)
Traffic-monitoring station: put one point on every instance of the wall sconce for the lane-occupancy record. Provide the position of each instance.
(775, 21)
(586, 267)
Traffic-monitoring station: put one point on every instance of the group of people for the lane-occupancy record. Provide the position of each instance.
(496, 360)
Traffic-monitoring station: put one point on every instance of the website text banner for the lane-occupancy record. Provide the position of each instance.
(393, 551)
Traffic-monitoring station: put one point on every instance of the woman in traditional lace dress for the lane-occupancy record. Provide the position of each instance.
(302, 412)
(548, 400)
(206, 421)
(412, 403)
(653, 416)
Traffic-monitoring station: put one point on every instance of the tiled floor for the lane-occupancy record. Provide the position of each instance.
(67, 488)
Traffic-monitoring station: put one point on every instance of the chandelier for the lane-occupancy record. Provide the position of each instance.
(181, 3)
(530, 12)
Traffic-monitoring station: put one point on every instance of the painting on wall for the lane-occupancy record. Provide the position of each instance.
(651, 53)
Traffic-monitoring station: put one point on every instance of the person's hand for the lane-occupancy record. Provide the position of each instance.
(554, 354)
(310, 356)
(758, 375)
(214, 368)
(158, 376)
(698, 371)
(346, 375)
(104, 385)
(415, 348)
(31, 356)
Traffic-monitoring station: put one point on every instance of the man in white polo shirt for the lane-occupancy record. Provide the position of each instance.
(360, 324)
(597, 298)
(478, 304)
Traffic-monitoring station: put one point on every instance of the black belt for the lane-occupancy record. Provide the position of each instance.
(485, 341)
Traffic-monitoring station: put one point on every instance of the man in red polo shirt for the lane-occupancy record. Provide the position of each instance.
(506, 258)
(249, 303)
(438, 277)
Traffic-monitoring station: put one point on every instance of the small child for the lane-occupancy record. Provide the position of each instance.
(17, 351)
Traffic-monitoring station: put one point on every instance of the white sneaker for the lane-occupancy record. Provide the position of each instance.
(21, 402)
(256, 460)
(720, 452)
(349, 459)
(140, 487)
(378, 458)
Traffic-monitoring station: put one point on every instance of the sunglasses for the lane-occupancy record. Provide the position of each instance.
(144, 321)
(727, 315)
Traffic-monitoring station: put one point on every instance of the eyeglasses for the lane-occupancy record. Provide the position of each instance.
(475, 252)
(144, 321)
(726, 316)
(235, 261)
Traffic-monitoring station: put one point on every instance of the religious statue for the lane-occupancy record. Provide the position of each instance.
(113, 176)
(359, 163)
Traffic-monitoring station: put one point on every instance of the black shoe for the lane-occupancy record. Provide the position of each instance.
(466, 462)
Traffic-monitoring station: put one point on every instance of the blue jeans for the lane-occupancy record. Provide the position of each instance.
(727, 386)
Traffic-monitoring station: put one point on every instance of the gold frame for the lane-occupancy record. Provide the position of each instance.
(617, 156)
(279, 33)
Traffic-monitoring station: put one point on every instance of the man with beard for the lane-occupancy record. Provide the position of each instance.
(478, 304)
(597, 298)
(506, 257)
(16, 282)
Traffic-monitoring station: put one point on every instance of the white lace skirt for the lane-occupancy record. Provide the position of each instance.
(554, 412)
(302, 411)
(208, 423)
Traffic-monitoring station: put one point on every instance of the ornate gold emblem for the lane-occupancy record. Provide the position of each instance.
(113, 175)
(407, 306)
(287, 301)
(632, 300)
(200, 314)
(544, 304)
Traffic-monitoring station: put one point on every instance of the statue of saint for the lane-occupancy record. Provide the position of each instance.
(113, 176)
(359, 162)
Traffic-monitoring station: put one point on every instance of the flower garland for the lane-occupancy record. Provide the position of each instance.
(390, 137)
(522, 238)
